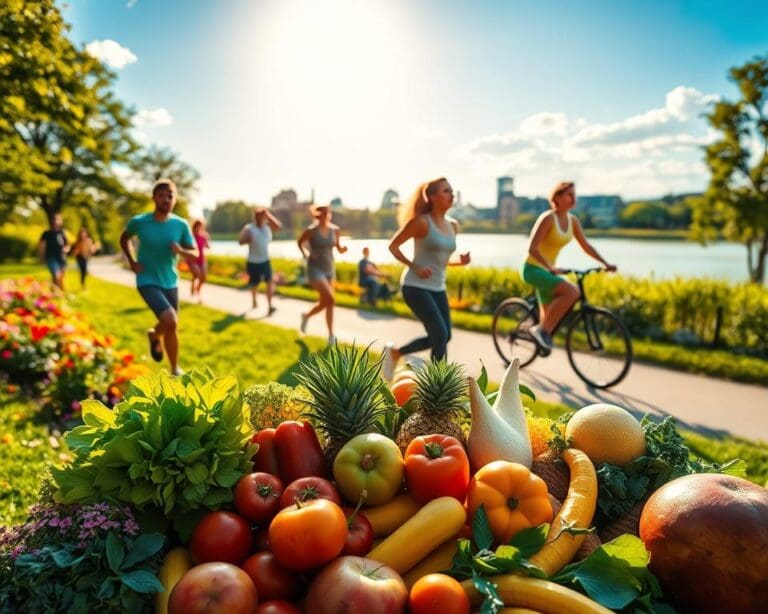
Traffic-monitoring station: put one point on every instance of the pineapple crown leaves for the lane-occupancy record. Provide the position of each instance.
(441, 388)
(347, 391)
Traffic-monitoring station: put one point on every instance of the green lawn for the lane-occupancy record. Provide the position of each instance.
(252, 351)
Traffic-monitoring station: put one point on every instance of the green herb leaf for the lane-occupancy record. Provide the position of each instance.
(527, 391)
(481, 530)
(492, 604)
(144, 547)
(529, 541)
(482, 380)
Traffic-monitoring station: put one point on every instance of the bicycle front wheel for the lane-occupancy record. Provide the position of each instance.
(511, 321)
(599, 348)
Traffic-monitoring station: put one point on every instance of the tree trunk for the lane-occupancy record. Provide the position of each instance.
(762, 253)
(750, 266)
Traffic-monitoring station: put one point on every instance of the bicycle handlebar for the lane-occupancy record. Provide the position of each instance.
(584, 272)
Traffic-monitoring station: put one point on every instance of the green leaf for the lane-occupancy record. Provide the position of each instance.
(482, 380)
(107, 589)
(492, 604)
(527, 391)
(96, 414)
(62, 558)
(197, 473)
(115, 552)
(530, 541)
(142, 581)
(481, 530)
(144, 547)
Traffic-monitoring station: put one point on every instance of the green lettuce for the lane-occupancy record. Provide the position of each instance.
(176, 445)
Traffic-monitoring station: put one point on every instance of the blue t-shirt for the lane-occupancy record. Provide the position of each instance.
(155, 253)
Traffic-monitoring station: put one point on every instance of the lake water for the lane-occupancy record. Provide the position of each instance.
(642, 258)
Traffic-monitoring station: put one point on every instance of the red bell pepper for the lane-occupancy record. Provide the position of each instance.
(298, 451)
(265, 459)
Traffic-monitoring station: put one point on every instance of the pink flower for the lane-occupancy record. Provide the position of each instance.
(6, 354)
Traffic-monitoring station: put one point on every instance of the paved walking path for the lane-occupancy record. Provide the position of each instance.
(705, 404)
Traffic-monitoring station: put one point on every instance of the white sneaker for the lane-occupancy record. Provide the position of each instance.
(542, 337)
(303, 327)
(388, 363)
(332, 340)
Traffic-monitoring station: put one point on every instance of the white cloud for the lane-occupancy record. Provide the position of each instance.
(153, 117)
(130, 4)
(111, 53)
(545, 123)
(657, 151)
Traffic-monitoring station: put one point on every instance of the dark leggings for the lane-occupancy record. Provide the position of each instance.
(431, 307)
(82, 264)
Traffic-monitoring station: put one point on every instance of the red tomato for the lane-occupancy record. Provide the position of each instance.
(257, 496)
(298, 451)
(436, 466)
(437, 593)
(305, 489)
(221, 536)
(277, 607)
(307, 535)
(272, 580)
(265, 459)
(359, 533)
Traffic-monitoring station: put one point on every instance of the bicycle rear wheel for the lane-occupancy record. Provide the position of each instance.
(598, 346)
(511, 321)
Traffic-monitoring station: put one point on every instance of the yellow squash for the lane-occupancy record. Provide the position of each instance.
(439, 560)
(538, 595)
(577, 511)
(435, 523)
(175, 564)
(390, 516)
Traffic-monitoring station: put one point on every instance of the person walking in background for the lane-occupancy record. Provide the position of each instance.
(163, 237)
(257, 236)
(53, 248)
(552, 231)
(316, 244)
(199, 266)
(368, 276)
(424, 219)
(83, 248)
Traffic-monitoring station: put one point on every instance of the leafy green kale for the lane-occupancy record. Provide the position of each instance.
(667, 457)
(176, 445)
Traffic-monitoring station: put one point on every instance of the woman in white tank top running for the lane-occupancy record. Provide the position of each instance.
(424, 219)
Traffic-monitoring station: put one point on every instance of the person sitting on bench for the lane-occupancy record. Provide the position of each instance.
(368, 279)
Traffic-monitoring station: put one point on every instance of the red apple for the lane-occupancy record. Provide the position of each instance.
(708, 538)
(214, 588)
(359, 533)
(354, 585)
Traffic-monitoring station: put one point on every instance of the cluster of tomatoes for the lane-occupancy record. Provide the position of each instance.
(293, 539)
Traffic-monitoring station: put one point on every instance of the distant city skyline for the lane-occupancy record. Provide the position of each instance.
(353, 98)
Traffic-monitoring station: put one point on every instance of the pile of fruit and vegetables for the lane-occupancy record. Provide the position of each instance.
(349, 493)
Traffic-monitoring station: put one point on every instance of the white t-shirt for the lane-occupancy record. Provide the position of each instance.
(258, 246)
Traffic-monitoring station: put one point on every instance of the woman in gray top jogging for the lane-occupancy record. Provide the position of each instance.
(316, 244)
(424, 220)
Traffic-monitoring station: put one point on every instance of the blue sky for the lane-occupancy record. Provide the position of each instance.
(351, 98)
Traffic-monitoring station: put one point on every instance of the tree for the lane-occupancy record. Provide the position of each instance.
(229, 216)
(156, 162)
(61, 128)
(736, 200)
(644, 214)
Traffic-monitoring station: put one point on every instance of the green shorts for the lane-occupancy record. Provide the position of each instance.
(542, 280)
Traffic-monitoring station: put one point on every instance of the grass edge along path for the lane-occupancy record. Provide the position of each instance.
(702, 361)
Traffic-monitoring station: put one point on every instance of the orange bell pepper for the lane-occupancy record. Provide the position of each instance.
(513, 498)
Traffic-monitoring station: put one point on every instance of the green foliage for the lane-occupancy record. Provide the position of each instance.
(18, 242)
(615, 575)
(273, 403)
(71, 557)
(736, 201)
(230, 216)
(61, 127)
(155, 163)
(175, 444)
(667, 457)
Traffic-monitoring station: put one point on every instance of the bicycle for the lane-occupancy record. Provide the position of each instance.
(594, 336)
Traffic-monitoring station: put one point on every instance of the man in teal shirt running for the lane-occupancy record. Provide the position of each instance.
(163, 237)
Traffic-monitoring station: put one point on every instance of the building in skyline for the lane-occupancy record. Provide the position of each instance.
(390, 200)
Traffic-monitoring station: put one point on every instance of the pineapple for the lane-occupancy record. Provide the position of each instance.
(346, 389)
(439, 397)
